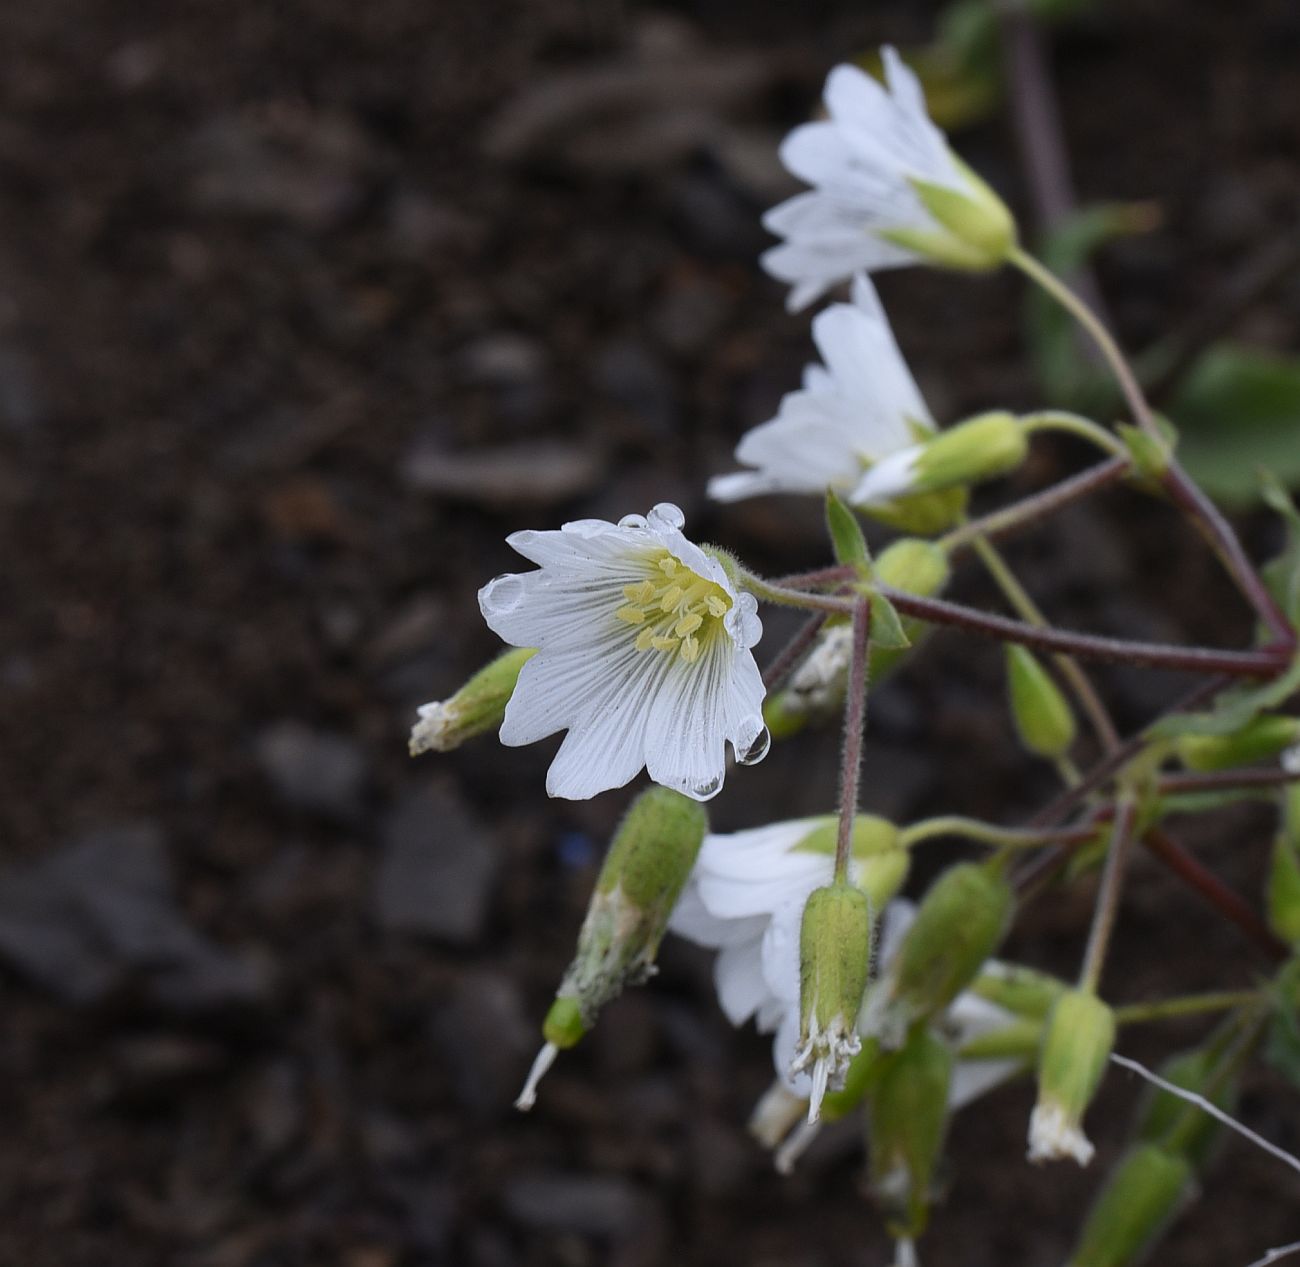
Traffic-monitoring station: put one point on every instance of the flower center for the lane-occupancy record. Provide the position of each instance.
(675, 609)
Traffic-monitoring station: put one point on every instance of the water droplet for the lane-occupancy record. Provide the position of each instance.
(501, 595)
(752, 741)
(707, 789)
(666, 515)
(632, 521)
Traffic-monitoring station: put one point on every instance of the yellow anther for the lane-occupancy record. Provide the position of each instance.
(688, 625)
(644, 639)
(690, 649)
(633, 615)
(663, 644)
(668, 565)
(696, 592)
(672, 597)
(640, 593)
(717, 605)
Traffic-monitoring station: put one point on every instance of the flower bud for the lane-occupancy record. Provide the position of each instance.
(981, 448)
(776, 1114)
(1180, 1128)
(644, 872)
(958, 926)
(1077, 1044)
(906, 1122)
(1259, 740)
(1142, 1194)
(976, 231)
(924, 514)
(915, 567)
(477, 707)
(1044, 720)
(1024, 991)
(834, 959)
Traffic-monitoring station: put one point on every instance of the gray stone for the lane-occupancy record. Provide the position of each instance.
(320, 771)
(436, 871)
(529, 473)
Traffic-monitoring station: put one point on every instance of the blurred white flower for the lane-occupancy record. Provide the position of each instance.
(745, 899)
(886, 190)
(643, 656)
(855, 424)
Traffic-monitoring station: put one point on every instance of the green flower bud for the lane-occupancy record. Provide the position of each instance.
(834, 960)
(1283, 890)
(981, 448)
(907, 1118)
(1024, 991)
(923, 514)
(878, 863)
(976, 232)
(958, 926)
(477, 707)
(1142, 1194)
(1173, 1124)
(1044, 720)
(647, 866)
(915, 567)
(1076, 1046)
(1259, 740)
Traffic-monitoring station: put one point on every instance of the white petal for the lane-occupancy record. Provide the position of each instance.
(692, 919)
(784, 1047)
(898, 918)
(891, 477)
(738, 975)
(781, 946)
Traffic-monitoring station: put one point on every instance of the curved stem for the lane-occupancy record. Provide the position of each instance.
(1189, 1005)
(989, 833)
(1069, 669)
(1106, 345)
(789, 656)
(1077, 425)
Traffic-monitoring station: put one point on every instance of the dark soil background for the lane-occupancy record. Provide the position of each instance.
(303, 308)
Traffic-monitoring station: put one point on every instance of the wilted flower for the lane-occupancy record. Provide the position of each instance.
(643, 655)
(887, 190)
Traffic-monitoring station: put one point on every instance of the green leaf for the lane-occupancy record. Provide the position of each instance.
(1065, 372)
(887, 630)
(1235, 708)
(846, 536)
(1239, 411)
(1282, 574)
(1282, 1047)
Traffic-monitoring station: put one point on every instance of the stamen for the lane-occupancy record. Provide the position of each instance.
(644, 638)
(690, 650)
(672, 597)
(663, 644)
(668, 565)
(717, 605)
(687, 624)
(633, 615)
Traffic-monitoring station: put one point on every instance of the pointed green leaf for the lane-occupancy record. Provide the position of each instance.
(887, 630)
(846, 535)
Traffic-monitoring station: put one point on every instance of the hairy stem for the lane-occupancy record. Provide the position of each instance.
(1109, 892)
(855, 717)
(789, 656)
(990, 834)
(1189, 1005)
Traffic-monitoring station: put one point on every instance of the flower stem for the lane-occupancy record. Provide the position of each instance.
(990, 834)
(1069, 669)
(1036, 507)
(1108, 894)
(1213, 890)
(1255, 664)
(1077, 425)
(855, 717)
(1188, 1005)
(1227, 780)
(1176, 482)
(790, 655)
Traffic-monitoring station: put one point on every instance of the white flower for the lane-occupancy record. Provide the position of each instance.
(745, 898)
(643, 656)
(855, 424)
(887, 190)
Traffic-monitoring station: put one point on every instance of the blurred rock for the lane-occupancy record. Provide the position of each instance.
(436, 871)
(630, 374)
(101, 911)
(690, 316)
(486, 1041)
(530, 473)
(286, 163)
(319, 771)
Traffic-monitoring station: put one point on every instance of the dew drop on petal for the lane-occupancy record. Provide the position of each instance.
(632, 521)
(666, 515)
(751, 742)
(501, 595)
(707, 789)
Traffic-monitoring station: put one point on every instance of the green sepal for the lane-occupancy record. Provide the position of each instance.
(1043, 717)
(1151, 457)
(849, 544)
(887, 629)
